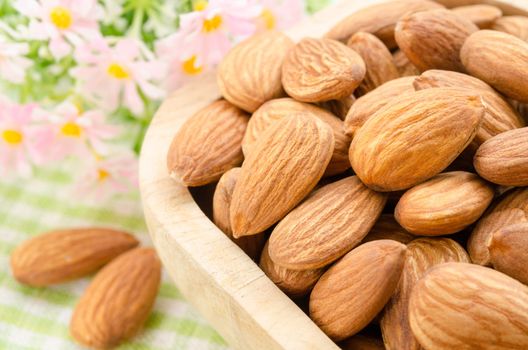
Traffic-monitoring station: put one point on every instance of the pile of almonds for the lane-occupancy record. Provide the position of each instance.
(381, 170)
(118, 300)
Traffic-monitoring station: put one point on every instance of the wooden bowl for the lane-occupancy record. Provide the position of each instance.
(214, 274)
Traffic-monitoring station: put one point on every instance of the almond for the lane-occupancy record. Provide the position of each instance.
(482, 15)
(514, 25)
(432, 39)
(328, 224)
(500, 116)
(294, 283)
(250, 73)
(391, 152)
(62, 255)
(354, 290)
(339, 108)
(503, 159)
(404, 66)
(379, 19)
(368, 104)
(422, 254)
(317, 70)
(251, 245)
(465, 306)
(360, 342)
(285, 165)
(388, 228)
(483, 56)
(118, 301)
(445, 204)
(274, 110)
(457, 3)
(378, 61)
(208, 144)
(509, 251)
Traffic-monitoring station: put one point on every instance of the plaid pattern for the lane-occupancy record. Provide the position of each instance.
(38, 318)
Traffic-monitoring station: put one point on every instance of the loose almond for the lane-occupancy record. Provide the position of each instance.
(294, 283)
(286, 164)
(317, 70)
(404, 66)
(483, 53)
(509, 251)
(118, 301)
(277, 109)
(250, 74)
(208, 144)
(354, 290)
(251, 245)
(391, 152)
(514, 25)
(388, 228)
(329, 223)
(482, 15)
(62, 255)
(422, 254)
(340, 107)
(465, 306)
(445, 204)
(368, 104)
(503, 159)
(378, 61)
(432, 39)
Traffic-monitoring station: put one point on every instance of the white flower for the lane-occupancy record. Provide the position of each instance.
(13, 64)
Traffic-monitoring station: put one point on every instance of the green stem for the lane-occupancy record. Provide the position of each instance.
(144, 123)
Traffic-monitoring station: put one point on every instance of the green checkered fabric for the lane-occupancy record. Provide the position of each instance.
(38, 318)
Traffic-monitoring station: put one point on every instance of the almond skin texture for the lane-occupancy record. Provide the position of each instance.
(404, 66)
(388, 152)
(483, 56)
(118, 300)
(328, 224)
(432, 39)
(514, 25)
(250, 73)
(465, 306)
(378, 61)
(504, 158)
(317, 70)
(422, 254)
(509, 251)
(286, 164)
(379, 20)
(500, 116)
(369, 104)
(251, 245)
(280, 108)
(339, 108)
(511, 209)
(63, 255)
(388, 228)
(354, 290)
(293, 283)
(482, 15)
(208, 144)
(445, 204)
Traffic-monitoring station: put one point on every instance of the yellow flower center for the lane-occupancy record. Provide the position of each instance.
(212, 24)
(102, 175)
(117, 71)
(13, 137)
(61, 17)
(200, 5)
(71, 129)
(268, 18)
(189, 66)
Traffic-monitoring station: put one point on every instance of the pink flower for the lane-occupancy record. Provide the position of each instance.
(280, 14)
(107, 176)
(13, 64)
(21, 142)
(209, 29)
(78, 133)
(111, 75)
(63, 22)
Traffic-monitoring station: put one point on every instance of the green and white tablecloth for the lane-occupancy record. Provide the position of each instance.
(38, 318)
